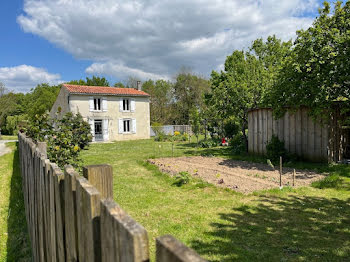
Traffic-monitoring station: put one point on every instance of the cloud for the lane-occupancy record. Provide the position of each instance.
(24, 77)
(152, 38)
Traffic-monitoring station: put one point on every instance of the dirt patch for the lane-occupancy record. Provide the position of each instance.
(241, 176)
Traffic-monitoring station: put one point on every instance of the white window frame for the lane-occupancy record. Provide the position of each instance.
(95, 104)
(128, 105)
(130, 125)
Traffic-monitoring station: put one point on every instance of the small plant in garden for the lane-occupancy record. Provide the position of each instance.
(217, 175)
(182, 178)
(177, 133)
(270, 164)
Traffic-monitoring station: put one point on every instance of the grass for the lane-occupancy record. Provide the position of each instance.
(2, 137)
(304, 224)
(14, 240)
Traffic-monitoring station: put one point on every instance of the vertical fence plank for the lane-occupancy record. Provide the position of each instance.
(70, 219)
(130, 239)
(170, 249)
(101, 177)
(57, 200)
(88, 213)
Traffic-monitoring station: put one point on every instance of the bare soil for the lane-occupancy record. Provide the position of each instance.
(241, 176)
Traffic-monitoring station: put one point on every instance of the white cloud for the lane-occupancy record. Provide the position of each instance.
(24, 77)
(152, 38)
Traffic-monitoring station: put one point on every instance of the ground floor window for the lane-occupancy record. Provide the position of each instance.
(98, 130)
(126, 126)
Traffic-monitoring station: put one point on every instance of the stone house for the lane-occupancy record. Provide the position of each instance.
(113, 113)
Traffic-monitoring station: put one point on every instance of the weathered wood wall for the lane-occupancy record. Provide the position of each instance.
(74, 218)
(301, 134)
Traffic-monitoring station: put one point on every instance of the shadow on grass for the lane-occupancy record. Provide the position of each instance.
(281, 229)
(18, 244)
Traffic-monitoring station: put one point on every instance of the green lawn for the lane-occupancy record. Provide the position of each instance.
(2, 137)
(14, 240)
(307, 224)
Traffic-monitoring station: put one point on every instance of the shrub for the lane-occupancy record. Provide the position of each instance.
(238, 145)
(208, 143)
(177, 133)
(275, 149)
(64, 137)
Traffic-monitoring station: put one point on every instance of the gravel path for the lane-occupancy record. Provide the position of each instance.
(241, 176)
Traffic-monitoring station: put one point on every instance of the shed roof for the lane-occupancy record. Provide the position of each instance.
(104, 90)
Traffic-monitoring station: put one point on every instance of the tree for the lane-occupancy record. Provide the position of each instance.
(195, 121)
(41, 99)
(119, 84)
(11, 104)
(3, 89)
(188, 92)
(94, 81)
(131, 82)
(246, 80)
(317, 73)
(160, 92)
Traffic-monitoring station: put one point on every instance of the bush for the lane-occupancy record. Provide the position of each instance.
(209, 143)
(238, 145)
(64, 137)
(275, 149)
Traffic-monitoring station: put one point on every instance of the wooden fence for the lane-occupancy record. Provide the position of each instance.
(74, 218)
(309, 139)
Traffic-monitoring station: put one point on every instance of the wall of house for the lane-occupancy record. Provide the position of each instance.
(62, 103)
(301, 134)
(80, 103)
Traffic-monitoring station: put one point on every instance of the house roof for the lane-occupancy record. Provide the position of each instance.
(104, 90)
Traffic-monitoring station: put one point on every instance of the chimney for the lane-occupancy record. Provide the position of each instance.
(138, 86)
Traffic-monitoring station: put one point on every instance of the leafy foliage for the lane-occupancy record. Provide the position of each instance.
(209, 143)
(65, 137)
(182, 178)
(275, 148)
(94, 81)
(238, 145)
(316, 74)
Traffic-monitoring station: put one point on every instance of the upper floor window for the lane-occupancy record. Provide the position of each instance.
(126, 104)
(97, 104)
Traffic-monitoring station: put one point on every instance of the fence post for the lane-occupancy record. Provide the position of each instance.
(170, 249)
(101, 177)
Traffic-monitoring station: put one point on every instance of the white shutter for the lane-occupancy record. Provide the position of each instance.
(91, 102)
(121, 104)
(92, 126)
(105, 129)
(133, 125)
(104, 104)
(120, 126)
(132, 105)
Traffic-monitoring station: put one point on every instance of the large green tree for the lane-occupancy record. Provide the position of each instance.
(160, 92)
(317, 72)
(188, 92)
(41, 99)
(246, 80)
(94, 81)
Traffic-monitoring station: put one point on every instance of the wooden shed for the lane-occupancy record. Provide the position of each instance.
(309, 139)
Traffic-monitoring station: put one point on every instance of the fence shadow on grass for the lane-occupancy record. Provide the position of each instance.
(282, 229)
(18, 244)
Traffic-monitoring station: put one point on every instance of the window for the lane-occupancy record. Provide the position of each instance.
(98, 130)
(126, 105)
(97, 104)
(126, 126)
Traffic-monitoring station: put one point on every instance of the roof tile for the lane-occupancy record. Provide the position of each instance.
(105, 90)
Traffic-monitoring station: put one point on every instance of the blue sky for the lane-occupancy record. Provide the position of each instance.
(54, 41)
